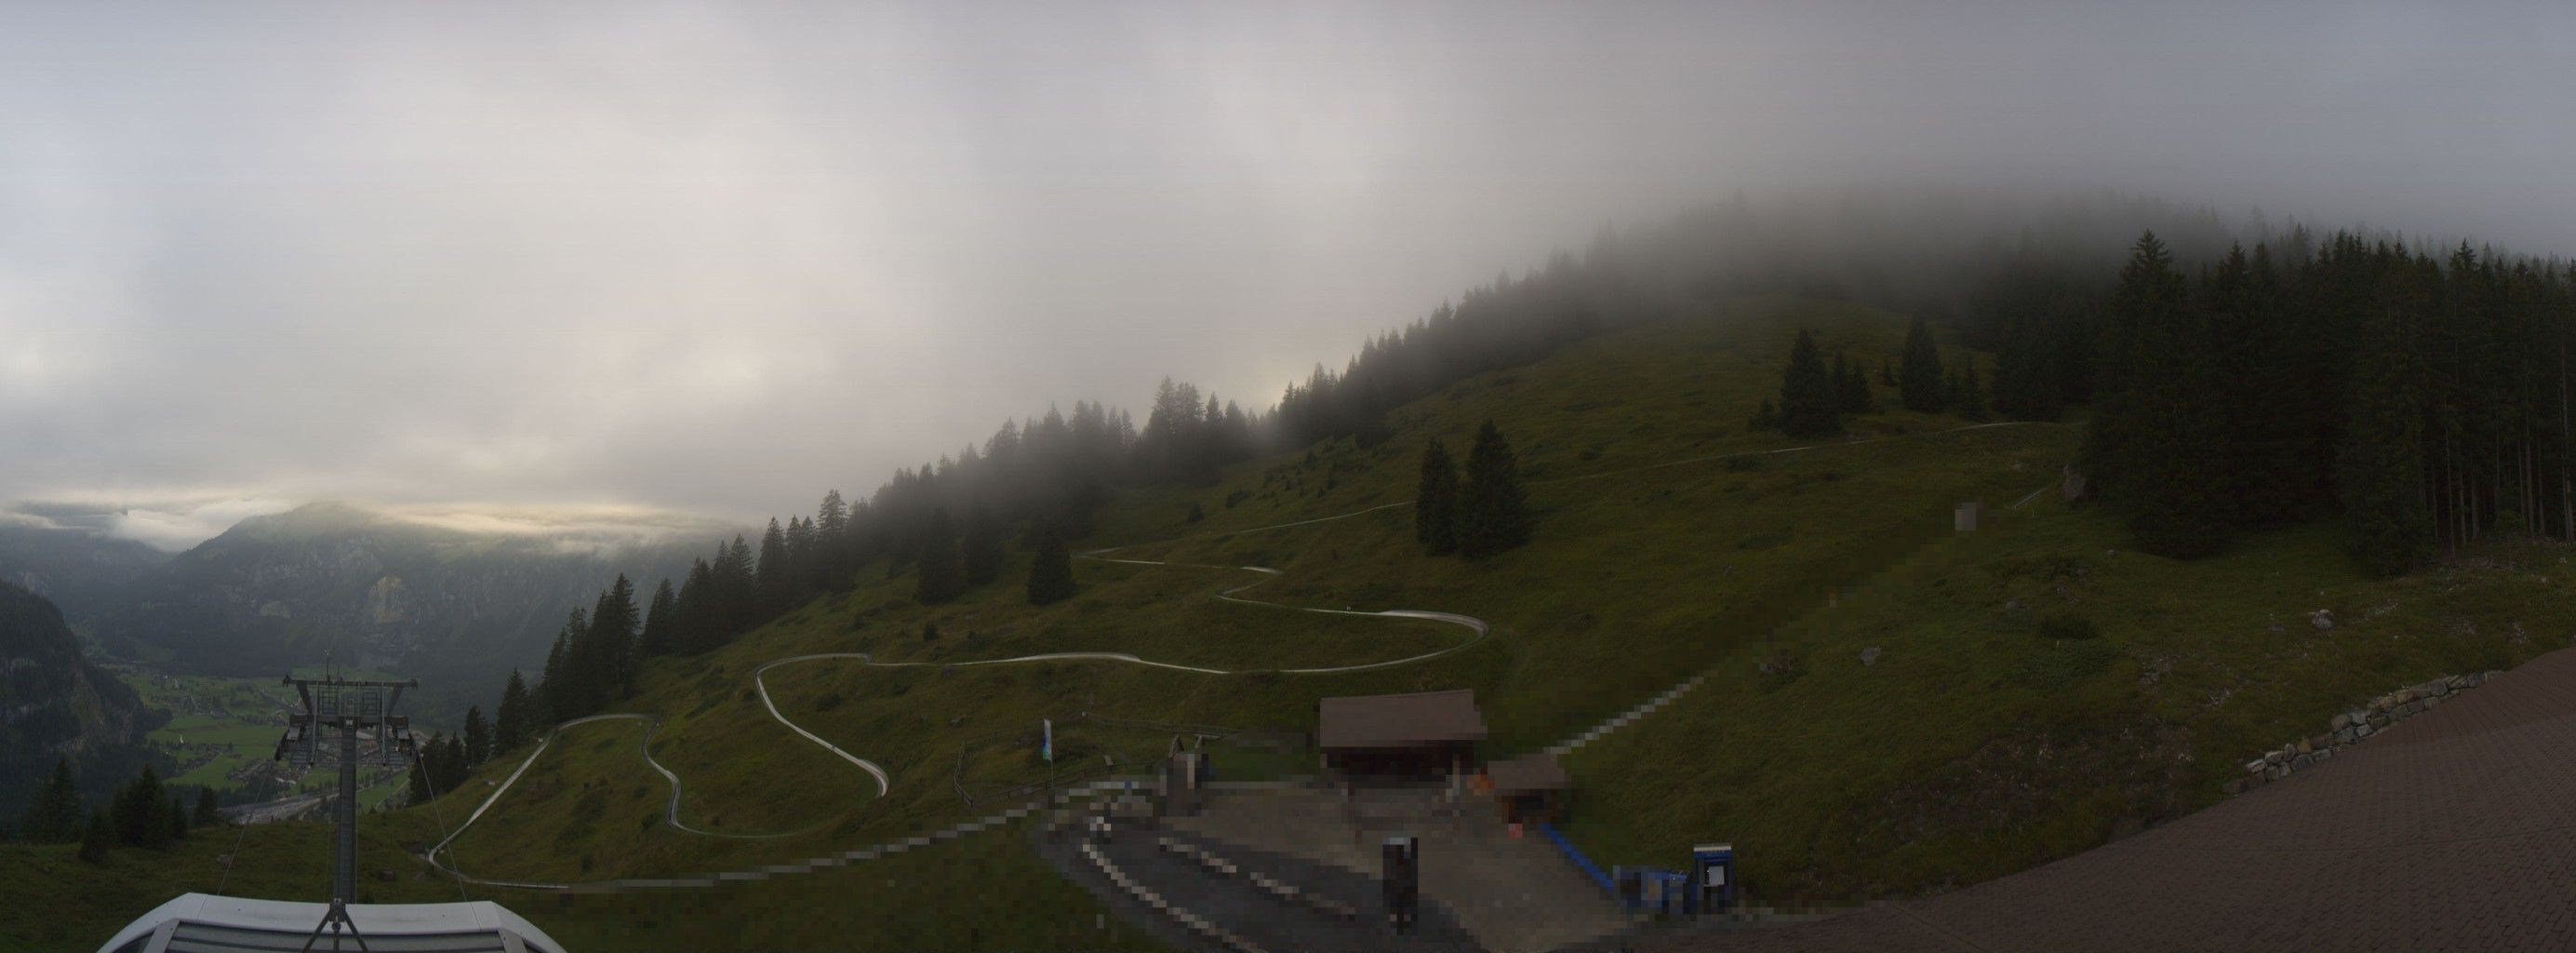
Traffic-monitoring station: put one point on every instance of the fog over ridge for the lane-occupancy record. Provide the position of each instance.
(592, 267)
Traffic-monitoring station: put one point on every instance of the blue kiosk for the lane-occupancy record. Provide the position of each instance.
(1713, 876)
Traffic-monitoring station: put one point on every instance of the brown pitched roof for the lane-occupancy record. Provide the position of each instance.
(1528, 773)
(1397, 721)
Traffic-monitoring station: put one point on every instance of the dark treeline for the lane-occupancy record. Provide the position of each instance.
(2424, 400)
(141, 813)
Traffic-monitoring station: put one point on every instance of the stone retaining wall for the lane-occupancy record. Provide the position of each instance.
(2351, 727)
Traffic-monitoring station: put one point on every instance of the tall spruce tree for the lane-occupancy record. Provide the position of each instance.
(695, 625)
(1493, 509)
(567, 684)
(478, 737)
(613, 621)
(1051, 568)
(661, 618)
(1435, 502)
(2380, 472)
(53, 815)
(2025, 385)
(510, 722)
(1807, 399)
(207, 813)
(778, 577)
(1969, 397)
(833, 561)
(983, 553)
(804, 549)
(1851, 388)
(941, 577)
(2158, 441)
(1921, 385)
(737, 591)
(97, 835)
(142, 812)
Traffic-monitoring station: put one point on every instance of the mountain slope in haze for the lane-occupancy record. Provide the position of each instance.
(1672, 542)
(81, 572)
(454, 609)
(1881, 712)
(54, 703)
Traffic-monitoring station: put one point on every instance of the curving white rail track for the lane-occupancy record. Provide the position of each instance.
(884, 782)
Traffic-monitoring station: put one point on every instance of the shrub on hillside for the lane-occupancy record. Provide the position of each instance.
(2065, 662)
(2067, 625)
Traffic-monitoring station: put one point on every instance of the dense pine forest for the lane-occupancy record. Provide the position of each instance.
(2422, 401)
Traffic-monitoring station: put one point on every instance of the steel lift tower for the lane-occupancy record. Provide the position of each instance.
(355, 719)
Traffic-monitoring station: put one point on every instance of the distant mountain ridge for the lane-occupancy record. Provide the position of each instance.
(80, 572)
(367, 590)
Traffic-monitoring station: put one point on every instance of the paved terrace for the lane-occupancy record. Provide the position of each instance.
(2452, 830)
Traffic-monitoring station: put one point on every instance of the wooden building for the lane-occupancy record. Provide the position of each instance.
(1411, 737)
(1528, 789)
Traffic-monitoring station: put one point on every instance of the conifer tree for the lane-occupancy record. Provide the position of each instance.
(612, 638)
(178, 815)
(417, 786)
(510, 723)
(2158, 441)
(1886, 373)
(983, 553)
(941, 577)
(832, 563)
(1851, 388)
(1921, 385)
(777, 578)
(53, 816)
(803, 550)
(1435, 502)
(1807, 398)
(661, 616)
(696, 623)
(478, 737)
(1051, 569)
(1970, 398)
(207, 814)
(2379, 474)
(97, 835)
(1767, 418)
(567, 685)
(452, 764)
(1493, 510)
(142, 814)
(2025, 377)
(741, 583)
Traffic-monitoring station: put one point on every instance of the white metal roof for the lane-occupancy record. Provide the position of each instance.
(196, 922)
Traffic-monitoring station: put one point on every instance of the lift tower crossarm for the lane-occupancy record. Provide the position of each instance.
(346, 709)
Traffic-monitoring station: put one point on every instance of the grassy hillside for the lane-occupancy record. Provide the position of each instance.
(1656, 555)
(1671, 541)
(1977, 744)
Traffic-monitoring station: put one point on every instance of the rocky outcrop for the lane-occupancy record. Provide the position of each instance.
(54, 703)
(2353, 726)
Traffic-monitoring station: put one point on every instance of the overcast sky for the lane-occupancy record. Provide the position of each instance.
(714, 258)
